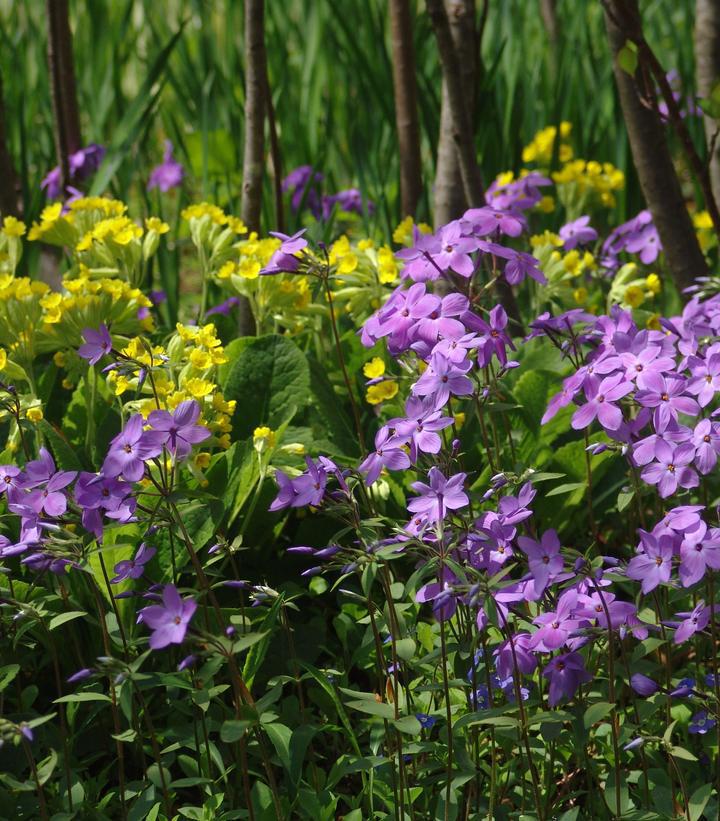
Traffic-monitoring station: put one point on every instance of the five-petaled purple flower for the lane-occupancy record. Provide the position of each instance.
(168, 621)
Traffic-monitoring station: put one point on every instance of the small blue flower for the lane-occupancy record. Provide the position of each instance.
(426, 722)
(701, 723)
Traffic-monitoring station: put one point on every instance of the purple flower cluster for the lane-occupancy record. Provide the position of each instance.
(81, 165)
(468, 245)
(647, 389)
(303, 185)
(636, 236)
(518, 195)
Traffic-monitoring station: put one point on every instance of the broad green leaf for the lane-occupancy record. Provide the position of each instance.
(596, 712)
(269, 379)
(698, 801)
(56, 621)
(233, 730)
(373, 708)
(81, 697)
(408, 724)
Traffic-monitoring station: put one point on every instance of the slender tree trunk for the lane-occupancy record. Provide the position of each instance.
(406, 110)
(8, 177)
(548, 12)
(449, 198)
(256, 108)
(707, 66)
(62, 83)
(255, 111)
(652, 159)
(461, 132)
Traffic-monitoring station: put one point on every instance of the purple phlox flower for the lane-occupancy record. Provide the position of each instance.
(187, 663)
(79, 675)
(687, 624)
(561, 399)
(544, 558)
(439, 323)
(653, 566)
(701, 723)
(420, 265)
(643, 685)
(546, 324)
(440, 496)
(286, 258)
(578, 232)
(667, 396)
(10, 477)
(81, 164)
(496, 543)
(401, 315)
(224, 308)
(565, 674)
(705, 380)
(135, 567)
(97, 344)
(557, 626)
(443, 378)
(158, 297)
(518, 195)
(169, 174)
(520, 265)
(685, 688)
(176, 431)
(487, 221)
(645, 449)
(456, 349)
(421, 426)
(671, 468)
(301, 183)
(286, 492)
(601, 403)
(706, 440)
(50, 499)
(388, 454)
(129, 451)
(455, 250)
(306, 489)
(641, 361)
(505, 659)
(646, 243)
(168, 621)
(96, 494)
(349, 200)
(593, 606)
(494, 337)
(514, 509)
(441, 593)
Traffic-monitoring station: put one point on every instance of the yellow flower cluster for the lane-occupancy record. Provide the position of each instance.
(587, 178)
(184, 369)
(403, 234)
(704, 230)
(540, 150)
(631, 289)
(215, 215)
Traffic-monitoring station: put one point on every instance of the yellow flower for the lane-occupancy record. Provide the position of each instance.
(374, 368)
(653, 283)
(546, 205)
(198, 388)
(382, 391)
(263, 436)
(459, 419)
(157, 225)
(34, 414)
(634, 296)
(237, 225)
(248, 268)
(202, 460)
(121, 385)
(348, 264)
(546, 238)
(201, 360)
(12, 227)
(402, 235)
(3, 358)
(365, 244)
(702, 219)
(59, 358)
(572, 263)
(580, 295)
(226, 270)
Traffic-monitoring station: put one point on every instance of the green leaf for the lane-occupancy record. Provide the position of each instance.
(681, 752)
(698, 801)
(56, 621)
(627, 58)
(373, 708)
(531, 392)
(405, 648)
(624, 499)
(270, 380)
(408, 724)
(8, 674)
(280, 736)
(81, 697)
(233, 730)
(567, 488)
(596, 712)
(246, 641)
(62, 450)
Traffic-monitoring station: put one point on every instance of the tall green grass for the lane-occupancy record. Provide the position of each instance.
(150, 70)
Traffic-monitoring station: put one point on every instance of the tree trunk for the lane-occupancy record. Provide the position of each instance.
(255, 110)
(651, 156)
(8, 178)
(548, 12)
(707, 63)
(406, 110)
(256, 86)
(62, 83)
(449, 198)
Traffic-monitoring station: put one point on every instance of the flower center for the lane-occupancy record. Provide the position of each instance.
(128, 448)
(706, 438)
(601, 398)
(664, 397)
(177, 619)
(658, 560)
(671, 468)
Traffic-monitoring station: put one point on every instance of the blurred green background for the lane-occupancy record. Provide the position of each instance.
(149, 70)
